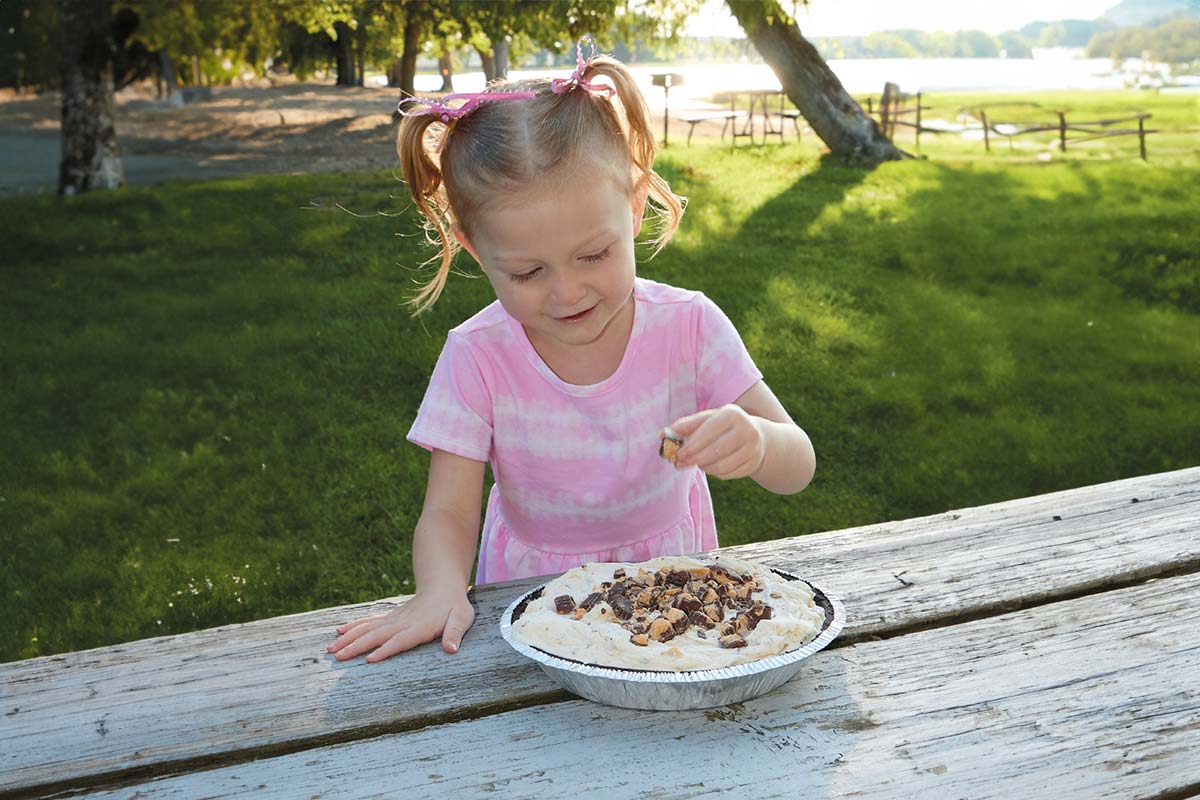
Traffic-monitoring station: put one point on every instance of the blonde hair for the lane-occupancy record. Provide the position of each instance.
(501, 148)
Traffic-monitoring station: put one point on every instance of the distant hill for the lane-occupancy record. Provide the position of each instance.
(1143, 12)
(1068, 32)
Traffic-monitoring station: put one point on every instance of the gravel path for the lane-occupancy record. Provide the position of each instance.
(289, 129)
(298, 128)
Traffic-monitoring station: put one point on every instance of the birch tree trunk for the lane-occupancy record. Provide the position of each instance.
(90, 157)
(808, 81)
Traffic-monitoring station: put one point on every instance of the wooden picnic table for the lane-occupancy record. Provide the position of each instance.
(758, 103)
(1044, 647)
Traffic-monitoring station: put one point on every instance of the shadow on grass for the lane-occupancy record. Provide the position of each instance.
(954, 336)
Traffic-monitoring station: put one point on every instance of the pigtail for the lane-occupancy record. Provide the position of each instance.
(669, 206)
(428, 191)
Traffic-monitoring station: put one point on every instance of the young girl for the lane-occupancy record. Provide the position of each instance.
(566, 383)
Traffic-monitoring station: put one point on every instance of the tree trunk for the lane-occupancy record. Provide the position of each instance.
(809, 83)
(344, 46)
(360, 54)
(90, 157)
(166, 74)
(500, 53)
(446, 67)
(413, 25)
(488, 64)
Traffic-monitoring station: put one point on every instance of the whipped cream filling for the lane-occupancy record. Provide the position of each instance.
(597, 637)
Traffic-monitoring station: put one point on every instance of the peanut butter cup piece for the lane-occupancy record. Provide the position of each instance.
(758, 612)
(564, 604)
(668, 448)
(661, 629)
(687, 603)
(701, 620)
(621, 606)
(640, 639)
(619, 573)
(677, 618)
(722, 575)
(590, 601)
(678, 577)
(732, 640)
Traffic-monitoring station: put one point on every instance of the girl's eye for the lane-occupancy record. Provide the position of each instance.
(592, 259)
(521, 277)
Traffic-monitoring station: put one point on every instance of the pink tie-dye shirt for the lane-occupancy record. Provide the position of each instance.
(577, 473)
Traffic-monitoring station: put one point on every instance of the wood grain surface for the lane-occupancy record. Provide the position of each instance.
(266, 688)
(1093, 697)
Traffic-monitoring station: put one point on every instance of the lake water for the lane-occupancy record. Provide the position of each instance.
(1050, 69)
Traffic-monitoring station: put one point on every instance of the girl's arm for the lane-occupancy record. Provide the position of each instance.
(751, 437)
(444, 546)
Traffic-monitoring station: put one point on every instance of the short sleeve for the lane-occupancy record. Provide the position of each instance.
(724, 368)
(456, 413)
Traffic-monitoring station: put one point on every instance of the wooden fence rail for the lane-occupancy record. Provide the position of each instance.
(895, 104)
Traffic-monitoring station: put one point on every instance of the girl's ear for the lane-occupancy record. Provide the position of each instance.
(639, 206)
(462, 239)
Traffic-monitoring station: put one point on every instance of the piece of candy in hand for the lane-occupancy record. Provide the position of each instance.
(668, 448)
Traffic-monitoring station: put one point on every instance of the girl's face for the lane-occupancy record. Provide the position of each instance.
(561, 262)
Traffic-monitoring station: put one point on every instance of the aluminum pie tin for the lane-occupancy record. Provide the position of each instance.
(667, 690)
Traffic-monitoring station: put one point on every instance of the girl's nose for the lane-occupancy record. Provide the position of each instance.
(569, 289)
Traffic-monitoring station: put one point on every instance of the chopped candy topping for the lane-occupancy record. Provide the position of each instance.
(701, 598)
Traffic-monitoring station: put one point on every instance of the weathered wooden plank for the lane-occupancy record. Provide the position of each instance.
(1094, 697)
(267, 687)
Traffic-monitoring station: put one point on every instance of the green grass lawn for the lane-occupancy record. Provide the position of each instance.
(206, 386)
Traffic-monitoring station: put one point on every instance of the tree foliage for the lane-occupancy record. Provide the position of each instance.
(1176, 41)
(30, 45)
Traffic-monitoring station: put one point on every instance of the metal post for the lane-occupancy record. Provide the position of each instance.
(918, 122)
(666, 108)
(1142, 136)
(1062, 131)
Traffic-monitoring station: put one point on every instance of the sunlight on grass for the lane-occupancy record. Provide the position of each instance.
(209, 384)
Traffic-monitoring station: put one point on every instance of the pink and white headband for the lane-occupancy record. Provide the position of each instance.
(470, 101)
(564, 85)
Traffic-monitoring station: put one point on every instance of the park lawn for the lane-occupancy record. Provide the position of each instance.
(207, 386)
(1174, 121)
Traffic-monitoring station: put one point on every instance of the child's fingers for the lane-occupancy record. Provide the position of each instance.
(368, 641)
(706, 447)
(738, 466)
(403, 640)
(359, 628)
(456, 627)
(686, 426)
(354, 622)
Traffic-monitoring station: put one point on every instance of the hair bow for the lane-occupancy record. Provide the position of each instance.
(563, 85)
(446, 112)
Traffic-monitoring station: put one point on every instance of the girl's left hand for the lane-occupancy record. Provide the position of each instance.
(725, 442)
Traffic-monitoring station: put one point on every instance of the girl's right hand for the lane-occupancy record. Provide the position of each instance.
(421, 619)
